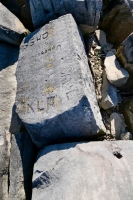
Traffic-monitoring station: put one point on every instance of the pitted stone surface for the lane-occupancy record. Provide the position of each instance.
(11, 29)
(84, 12)
(55, 91)
(95, 170)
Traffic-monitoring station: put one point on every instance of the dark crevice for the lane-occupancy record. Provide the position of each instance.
(117, 154)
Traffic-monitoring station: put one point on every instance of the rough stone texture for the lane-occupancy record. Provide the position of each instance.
(84, 12)
(101, 36)
(4, 162)
(86, 30)
(95, 170)
(21, 167)
(9, 121)
(127, 110)
(117, 125)
(109, 94)
(14, 6)
(8, 62)
(11, 29)
(126, 136)
(117, 21)
(55, 95)
(116, 75)
(125, 56)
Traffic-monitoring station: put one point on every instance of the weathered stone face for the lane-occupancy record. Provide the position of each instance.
(84, 12)
(95, 170)
(55, 92)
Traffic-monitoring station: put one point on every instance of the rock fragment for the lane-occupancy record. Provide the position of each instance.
(55, 95)
(109, 94)
(126, 136)
(11, 29)
(124, 54)
(86, 30)
(21, 166)
(82, 168)
(84, 12)
(117, 125)
(116, 75)
(101, 36)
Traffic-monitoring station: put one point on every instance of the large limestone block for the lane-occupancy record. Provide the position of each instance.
(4, 162)
(55, 91)
(116, 74)
(11, 29)
(87, 171)
(125, 56)
(84, 11)
(21, 167)
(117, 21)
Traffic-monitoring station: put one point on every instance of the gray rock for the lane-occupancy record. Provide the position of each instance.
(117, 125)
(11, 29)
(55, 92)
(84, 12)
(21, 167)
(95, 170)
(101, 36)
(126, 136)
(116, 75)
(9, 120)
(109, 94)
(4, 163)
(125, 56)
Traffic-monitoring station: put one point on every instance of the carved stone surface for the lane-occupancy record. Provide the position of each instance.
(11, 29)
(84, 12)
(55, 91)
(95, 170)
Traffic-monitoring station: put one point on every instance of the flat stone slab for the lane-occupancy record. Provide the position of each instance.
(55, 92)
(95, 170)
(11, 29)
(116, 74)
(84, 12)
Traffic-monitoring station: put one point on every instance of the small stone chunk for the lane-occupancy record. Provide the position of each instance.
(126, 136)
(101, 36)
(117, 125)
(86, 30)
(116, 75)
(109, 94)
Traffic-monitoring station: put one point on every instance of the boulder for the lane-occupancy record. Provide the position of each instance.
(117, 21)
(109, 94)
(84, 12)
(116, 75)
(11, 29)
(9, 120)
(124, 54)
(4, 162)
(126, 108)
(21, 167)
(94, 170)
(117, 125)
(55, 92)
